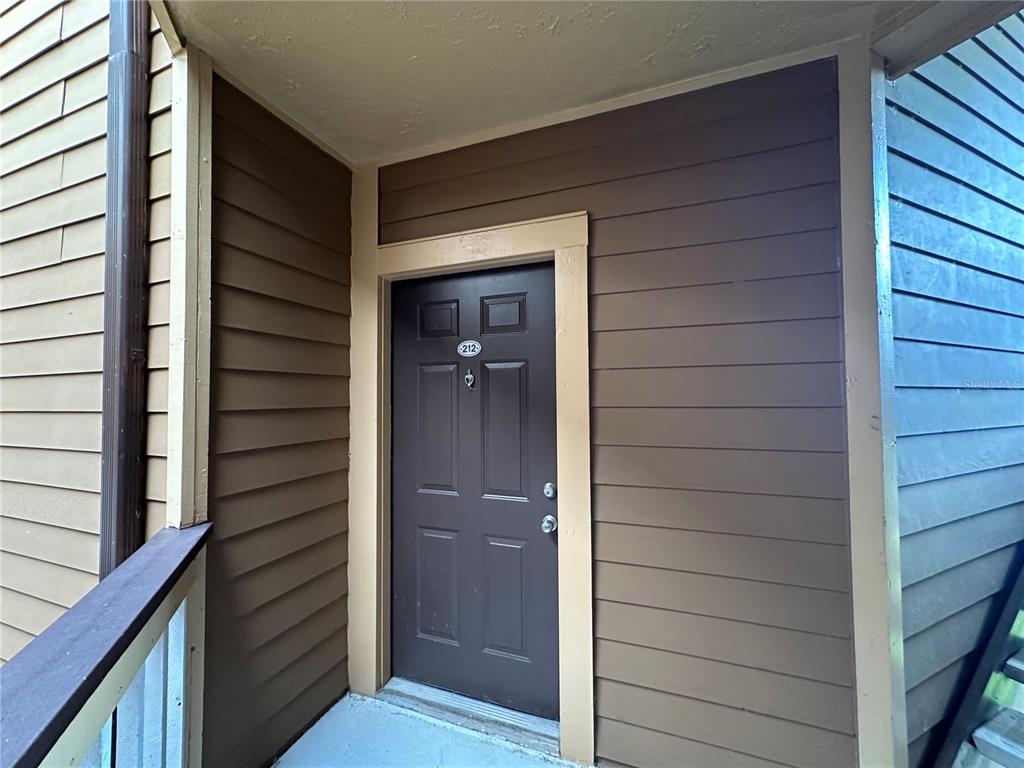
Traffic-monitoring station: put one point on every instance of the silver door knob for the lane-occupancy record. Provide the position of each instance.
(549, 523)
(549, 490)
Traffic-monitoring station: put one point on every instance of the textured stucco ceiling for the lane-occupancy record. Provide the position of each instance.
(375, 79)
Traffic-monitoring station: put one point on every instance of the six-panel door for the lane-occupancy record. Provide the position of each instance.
(474, 578)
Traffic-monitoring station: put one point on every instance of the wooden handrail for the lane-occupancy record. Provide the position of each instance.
(45, 685)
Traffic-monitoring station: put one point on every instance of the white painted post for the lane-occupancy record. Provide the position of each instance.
(871, 445)
(188, 406)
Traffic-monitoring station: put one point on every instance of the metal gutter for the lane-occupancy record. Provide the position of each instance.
(125, 289)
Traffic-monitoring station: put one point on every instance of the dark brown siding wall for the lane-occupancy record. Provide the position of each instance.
(276, 615)
(956, 176)
(722, 573)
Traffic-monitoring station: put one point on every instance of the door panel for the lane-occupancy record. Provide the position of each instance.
(504, 574)
(474, 579)
(437, 581)
(439, 319)
(438, 427)
(503, 314)
(504, 463)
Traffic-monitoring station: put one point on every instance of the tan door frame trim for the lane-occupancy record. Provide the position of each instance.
(562, 240)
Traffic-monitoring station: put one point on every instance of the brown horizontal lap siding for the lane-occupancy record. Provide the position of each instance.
(722, 566)
(277, 584)
(955, 129)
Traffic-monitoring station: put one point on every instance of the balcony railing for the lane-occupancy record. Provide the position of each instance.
(117, 680)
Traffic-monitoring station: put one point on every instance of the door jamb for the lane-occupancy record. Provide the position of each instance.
(563, 240)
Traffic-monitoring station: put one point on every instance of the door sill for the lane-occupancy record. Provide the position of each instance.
(520, 728)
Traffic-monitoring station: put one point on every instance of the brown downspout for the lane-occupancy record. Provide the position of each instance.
(125, 287)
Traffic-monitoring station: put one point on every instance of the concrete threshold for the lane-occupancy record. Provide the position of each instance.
(360, 732)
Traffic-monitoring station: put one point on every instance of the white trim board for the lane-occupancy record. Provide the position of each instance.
(870, 393)
(190, 302)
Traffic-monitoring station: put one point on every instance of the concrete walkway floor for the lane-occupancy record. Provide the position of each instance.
(359, 732)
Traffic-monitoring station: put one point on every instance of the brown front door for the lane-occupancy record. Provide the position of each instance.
(474, 578)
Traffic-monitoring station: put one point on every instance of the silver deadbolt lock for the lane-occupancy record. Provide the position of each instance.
(470, 378)
(549, 490)
(549, 524)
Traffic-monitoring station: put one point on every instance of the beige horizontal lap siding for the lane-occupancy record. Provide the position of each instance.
(53, 80)
(277, 582)
(159, 281)
(956, 144)
(722, 571)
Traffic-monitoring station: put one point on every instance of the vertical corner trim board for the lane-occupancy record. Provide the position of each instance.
(276, 571)
(721, 554)
(955, 128)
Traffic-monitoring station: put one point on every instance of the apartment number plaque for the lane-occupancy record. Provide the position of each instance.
(469, 348)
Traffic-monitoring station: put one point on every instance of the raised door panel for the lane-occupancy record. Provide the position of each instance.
(439, 319)
(503, 314)
(505, 562)
(438, 431)
(505, 467)
(437, 579)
